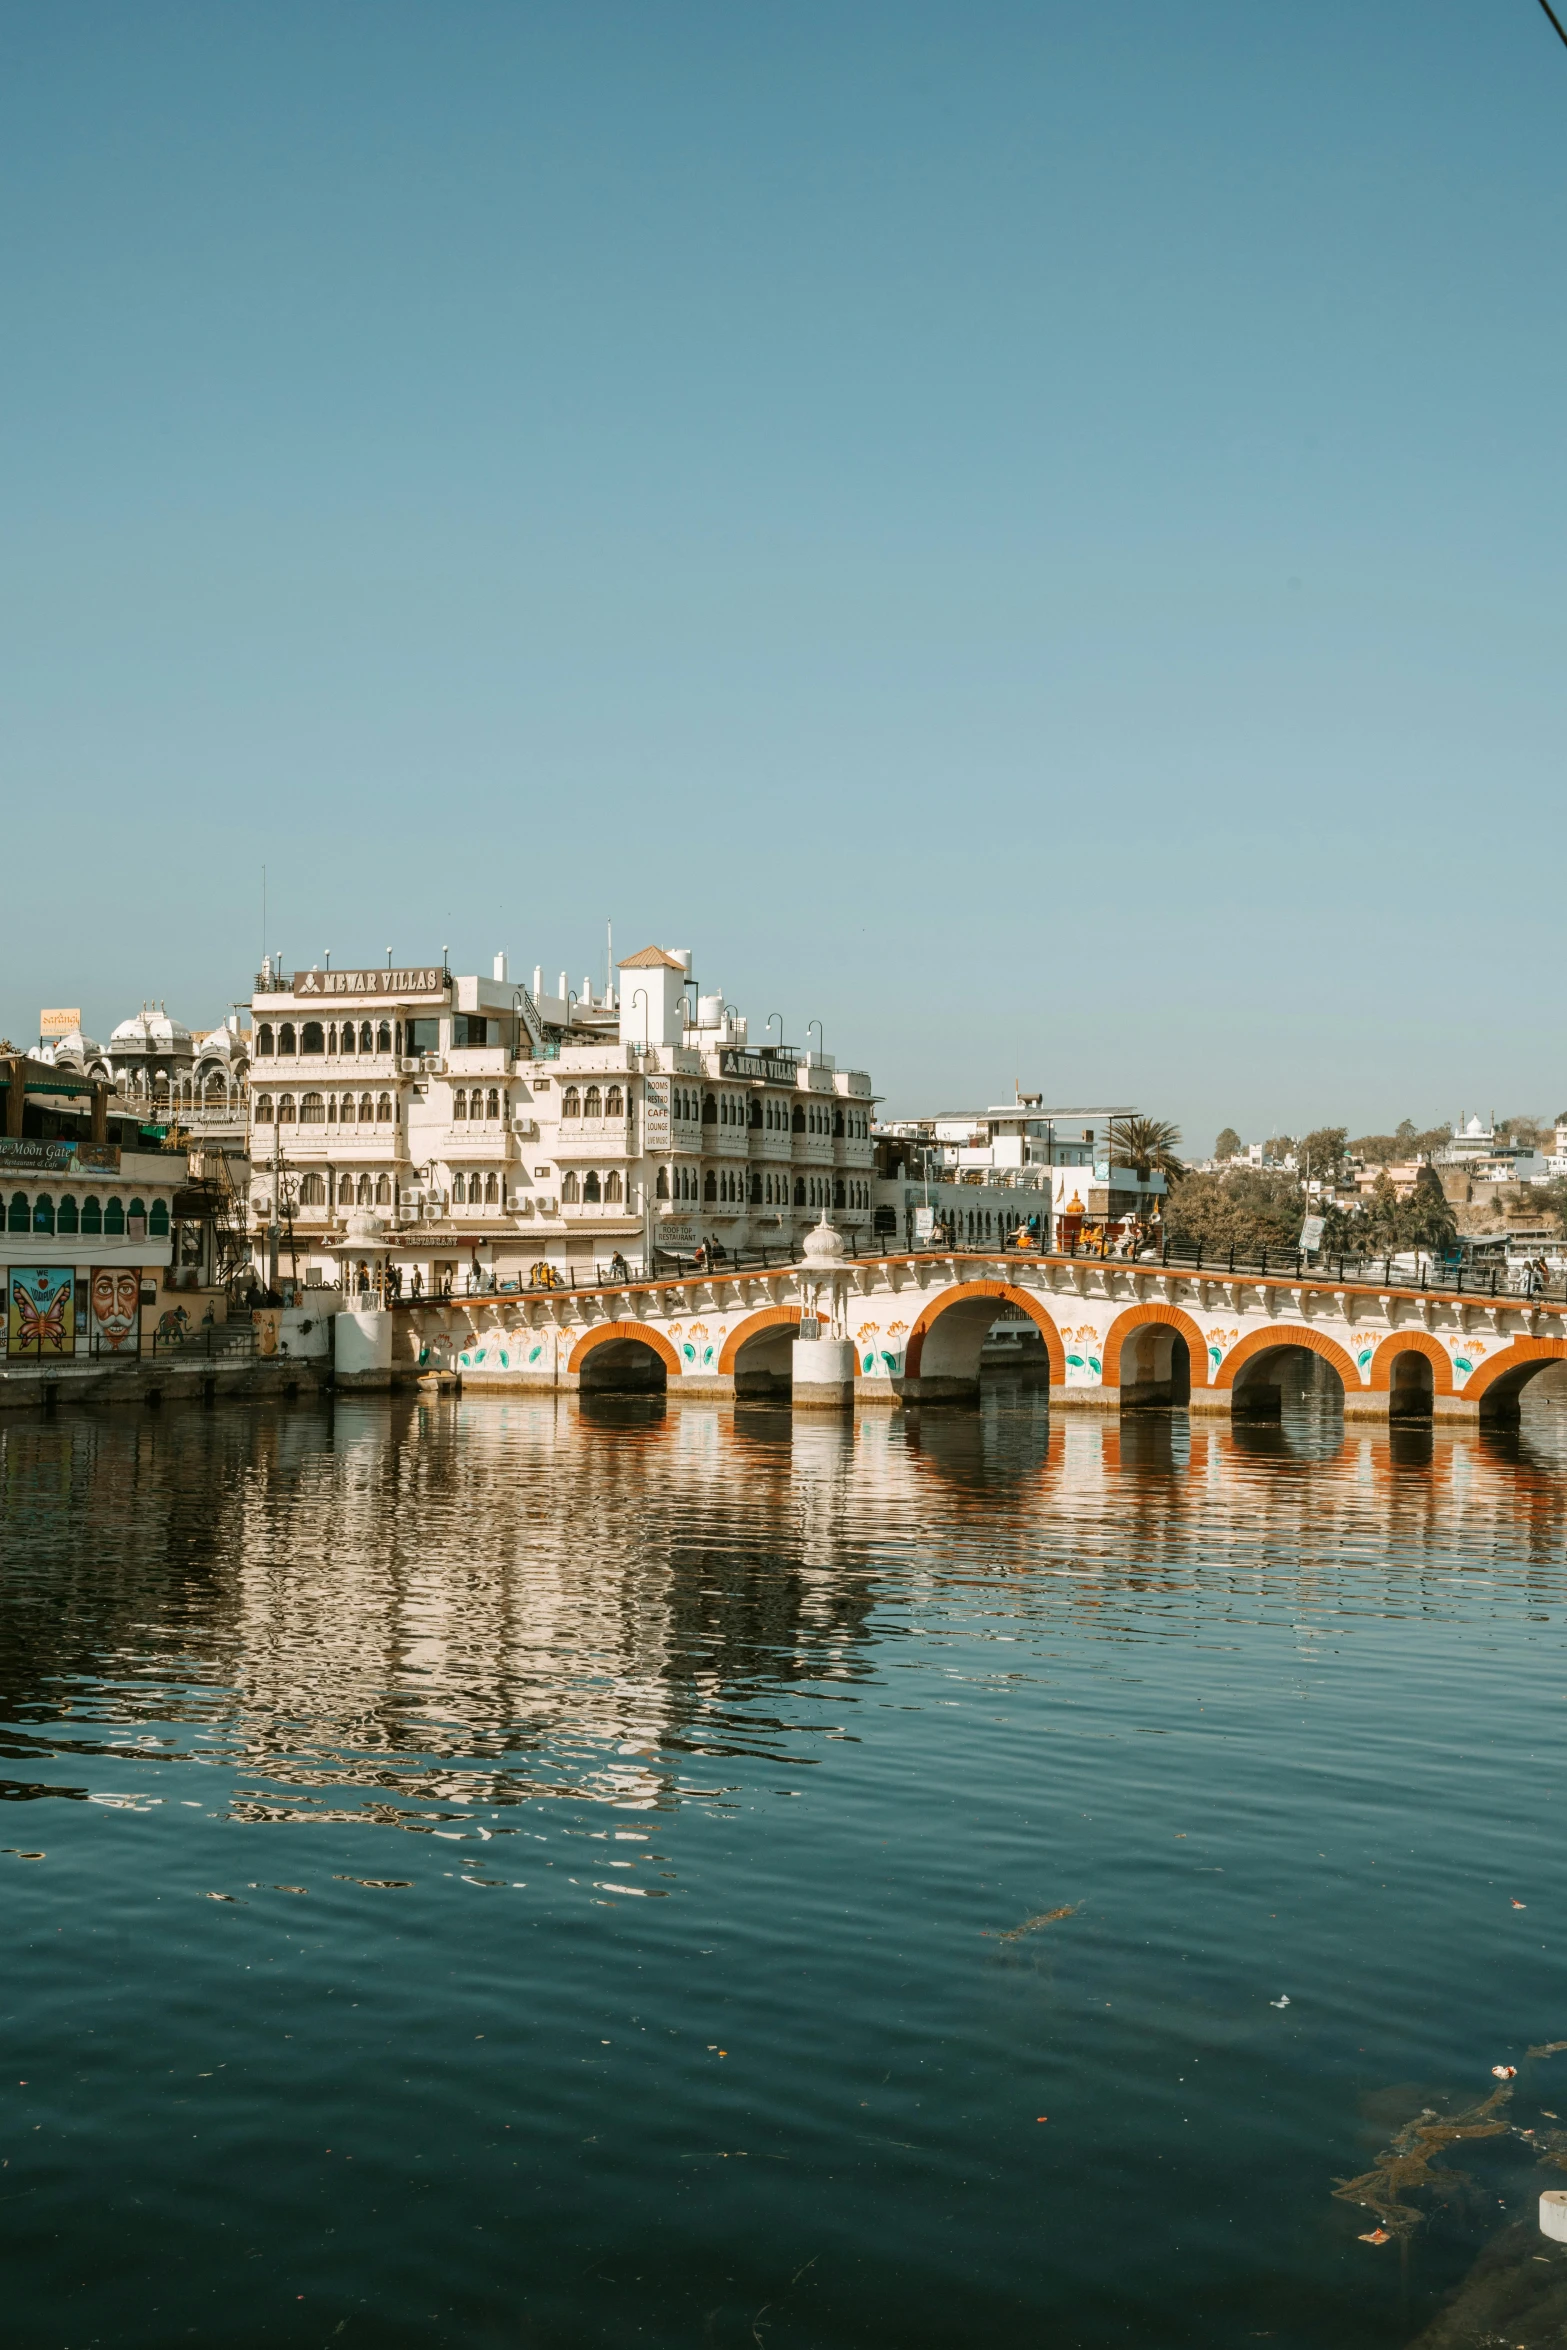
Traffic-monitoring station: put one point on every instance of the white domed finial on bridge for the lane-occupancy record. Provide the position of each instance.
(824, 1246)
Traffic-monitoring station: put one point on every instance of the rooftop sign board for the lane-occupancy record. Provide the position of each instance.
(370, 983)
(62, 1021)
(775, 1068)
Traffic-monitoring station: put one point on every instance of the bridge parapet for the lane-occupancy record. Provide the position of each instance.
(1111, 1333)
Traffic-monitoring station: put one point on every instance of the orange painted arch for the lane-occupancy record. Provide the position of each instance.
(1513, 1358)
(1379, 1372)
(967, 1293)
(602, 1332)
(1258, 1342)
(767, 1319)
(1137, 1318)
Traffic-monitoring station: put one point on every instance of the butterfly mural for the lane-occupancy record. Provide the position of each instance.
(41, 1320)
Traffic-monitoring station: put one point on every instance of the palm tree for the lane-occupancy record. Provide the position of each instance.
(1148, 1145)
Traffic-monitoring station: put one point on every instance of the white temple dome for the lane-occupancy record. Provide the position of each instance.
(150, 1027)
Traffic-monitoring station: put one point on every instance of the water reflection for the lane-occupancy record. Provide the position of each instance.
(481, 1602)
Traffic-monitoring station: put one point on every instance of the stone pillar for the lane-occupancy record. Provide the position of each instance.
(823, 1374)
(362, 1346)
(822, 1367)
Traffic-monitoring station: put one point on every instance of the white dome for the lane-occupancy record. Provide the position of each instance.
(151, 1028)
(824, 1246)
(363, 1226)
(219, 1044)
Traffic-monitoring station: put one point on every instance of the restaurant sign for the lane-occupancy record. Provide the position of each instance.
(655, 1114)
(58, 1157)
(370, 983)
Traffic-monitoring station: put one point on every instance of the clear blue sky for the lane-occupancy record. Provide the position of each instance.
(1034, 534)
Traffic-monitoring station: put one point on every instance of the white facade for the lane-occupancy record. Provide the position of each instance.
(472, 1127)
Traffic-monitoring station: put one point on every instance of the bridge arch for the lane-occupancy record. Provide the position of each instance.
(1498, 1383)
(629, 1355)
(1411, 1368)
(1132, 1362)
(759, 1355)
(945, 1346)
(766, 1318)
(1287, 1334)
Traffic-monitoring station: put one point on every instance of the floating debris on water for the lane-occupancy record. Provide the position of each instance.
(1046, 1917)
(1406, 2163)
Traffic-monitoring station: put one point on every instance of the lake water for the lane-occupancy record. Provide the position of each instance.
(536, 1873)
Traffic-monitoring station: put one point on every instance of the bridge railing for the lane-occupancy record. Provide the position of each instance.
(1407, 1269)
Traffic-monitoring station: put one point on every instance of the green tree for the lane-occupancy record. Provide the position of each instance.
(1228, 1144)
(1426, 1219)
(1148, 1146)
(1322, 1153)
(1246, 1208)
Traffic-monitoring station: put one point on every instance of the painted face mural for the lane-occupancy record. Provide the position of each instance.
(116, 1301)
(41, 1310)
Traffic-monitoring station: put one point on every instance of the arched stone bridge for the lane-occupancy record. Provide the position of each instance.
(1109, 1335)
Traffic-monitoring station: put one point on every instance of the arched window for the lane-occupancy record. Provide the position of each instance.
(158, 1221)
(590, 1185)
(492, 1194)
(366, 1192)
(366, 1110)
(48, 1209)
(264, 1039)
(838, 1199)
(285, 1109)
(710, 1182)
(311, 1039)
(661, 1187)
(366, 1037)
(263, 1109)
(217, 1092)
(285, 1037)
(331, 1037)
(709, 1110)
(383, 1037)
(459, 1104)
(312, 1191)
(383, 1110)
(345, 1043)
(797, 1122)
(114, 1220)
(135, 1213)
(612, 1185)
(383, 1191)
(756, 1111)
(571, 1103)
(756, 1190)
(614, 1103)
(18, 1217)
(92, 1214)
(459, 1191)
(570, 1188)
(799, 1191)
(593, 1103)
(494, 1107)
(312, 1110)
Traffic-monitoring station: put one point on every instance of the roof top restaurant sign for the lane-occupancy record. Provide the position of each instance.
(365, 983)
(63, 1020)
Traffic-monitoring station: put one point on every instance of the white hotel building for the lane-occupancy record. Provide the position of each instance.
(437, 1124)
